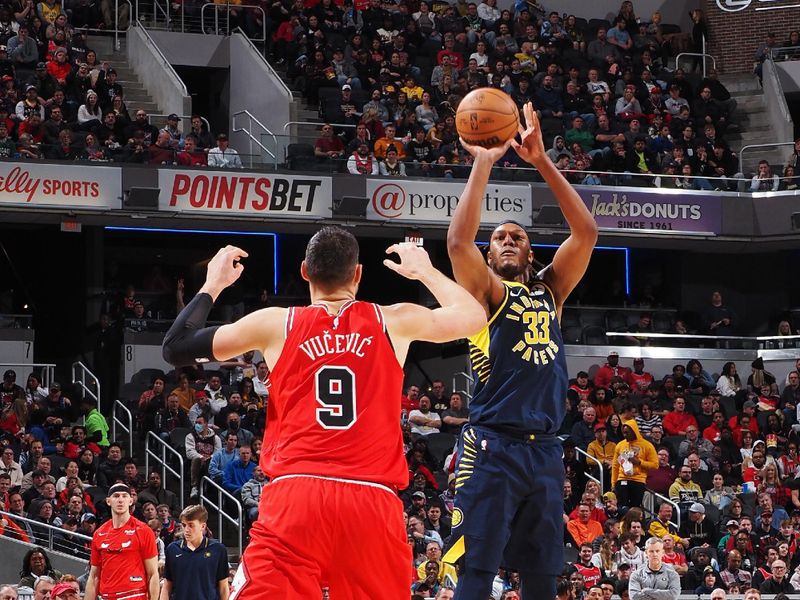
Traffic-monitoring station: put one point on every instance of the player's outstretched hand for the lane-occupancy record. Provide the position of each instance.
(491, 155)
(225, 268)
(531, 150)
(414, 260)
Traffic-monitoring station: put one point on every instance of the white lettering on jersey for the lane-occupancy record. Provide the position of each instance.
(338, 343)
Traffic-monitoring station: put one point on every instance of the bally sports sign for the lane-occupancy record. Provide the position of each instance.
(408, 200)
(245, 194)
(69, 186)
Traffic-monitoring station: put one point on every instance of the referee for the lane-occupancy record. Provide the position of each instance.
(124, 559)
(197, 566)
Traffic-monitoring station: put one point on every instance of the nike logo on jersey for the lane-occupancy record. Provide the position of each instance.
(104, 546)
(126, 544)
(177, 555)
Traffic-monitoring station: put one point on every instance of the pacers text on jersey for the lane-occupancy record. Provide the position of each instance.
(335, 343)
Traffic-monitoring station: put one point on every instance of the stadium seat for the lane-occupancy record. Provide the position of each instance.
(572, 334)
(594, 336)
(673, 442)
(749, 501)
(662, 322)
(295, 151)
(570, 317)
(57, 463)
(96, 494)
(441, 444)
(728, 404)
(130, 393)
(592, 318)
(598, 23)
(615, 321)
(177, 438)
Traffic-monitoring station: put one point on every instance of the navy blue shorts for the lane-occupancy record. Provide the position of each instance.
(509, 503)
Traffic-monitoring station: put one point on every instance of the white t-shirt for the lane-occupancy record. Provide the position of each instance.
(423, 429)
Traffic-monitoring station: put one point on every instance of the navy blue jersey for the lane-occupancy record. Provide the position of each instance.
(518, 363)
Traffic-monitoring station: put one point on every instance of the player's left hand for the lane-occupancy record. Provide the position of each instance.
(225, 268)
(531, 150)
(414, 260)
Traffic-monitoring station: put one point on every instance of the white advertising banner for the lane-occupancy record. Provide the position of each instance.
(411, 201)
(245, 194)
(68, 186)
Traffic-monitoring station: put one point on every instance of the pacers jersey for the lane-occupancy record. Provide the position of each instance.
(334, 402)
(518, 363)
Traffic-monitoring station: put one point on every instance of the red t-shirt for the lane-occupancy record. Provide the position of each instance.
(120, 554)
(335, 398)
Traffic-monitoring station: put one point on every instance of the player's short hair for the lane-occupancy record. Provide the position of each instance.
(331, 257)
(194, 512)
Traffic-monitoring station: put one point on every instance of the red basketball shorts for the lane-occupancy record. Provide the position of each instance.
(315, 532)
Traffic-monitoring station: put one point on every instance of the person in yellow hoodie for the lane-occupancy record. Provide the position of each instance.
(634, 456)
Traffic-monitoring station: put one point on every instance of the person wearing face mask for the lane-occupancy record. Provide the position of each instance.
(235, 427)
(200, 444)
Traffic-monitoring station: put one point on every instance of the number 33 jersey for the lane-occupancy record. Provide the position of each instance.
(334, 408)
(518, 363)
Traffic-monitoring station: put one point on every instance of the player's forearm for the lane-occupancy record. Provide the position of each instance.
(166, 590)
(578, 217)
(154, 587)
(458, 307)
(90, 592)
(189, 341)
(467, 217)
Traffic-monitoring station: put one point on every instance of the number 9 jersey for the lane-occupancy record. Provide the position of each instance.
(334, 402)
(519, 365)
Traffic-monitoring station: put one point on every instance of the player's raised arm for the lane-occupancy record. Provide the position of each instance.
(189, 341)
(459, 315)
(469, 267)
(572, 257)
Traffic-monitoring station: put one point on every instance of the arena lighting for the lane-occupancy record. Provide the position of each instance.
(274, 237)
(627, 252)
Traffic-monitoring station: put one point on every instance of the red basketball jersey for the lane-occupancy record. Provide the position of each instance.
(334, 402)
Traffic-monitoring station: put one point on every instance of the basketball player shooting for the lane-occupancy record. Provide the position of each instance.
(509, 471)
(333, 448)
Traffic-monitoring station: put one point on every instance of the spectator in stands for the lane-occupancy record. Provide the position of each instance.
(328, 145)
(391, 166)
(233, 426)
(132, 478)
(23, 51)
(684, 491)
(11, 468)
(382, 144)
(239, 472)
(200, 444)
(423, 420)
(362, 161)
(583, 431)
(35, 565)
(162, 152)
(602, 449)
(155, 492)
(112, 468)
(86, 467)
(454, 417)
(223, 457)
(191, 155)
(654, 579)
(37, 477)
(778, 583)
(222, 156)
(678, 420)
(633, 458)
(603, 376)
(584, 529)
(251, 493)
(718, 318)
(764, 180)
(171, 417)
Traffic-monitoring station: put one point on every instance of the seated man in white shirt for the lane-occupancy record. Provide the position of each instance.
(423, 420)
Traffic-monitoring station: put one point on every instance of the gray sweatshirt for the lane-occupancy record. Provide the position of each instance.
(646, 584)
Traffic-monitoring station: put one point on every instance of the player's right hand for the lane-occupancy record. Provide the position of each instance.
(491, 155)
(225, 268)
(414, 260)
(531, 150)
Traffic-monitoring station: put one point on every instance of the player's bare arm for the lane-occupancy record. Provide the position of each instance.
(224, 589)
(459, 315)
(469, 267)
(188, 341)
(153, 581)
(166, 590)
(572, 257)
(90, 591)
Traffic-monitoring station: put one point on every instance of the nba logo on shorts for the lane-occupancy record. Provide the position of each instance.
(473, 121)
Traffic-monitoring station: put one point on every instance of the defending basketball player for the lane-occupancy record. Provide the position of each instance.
(509, 472)
(333, 447)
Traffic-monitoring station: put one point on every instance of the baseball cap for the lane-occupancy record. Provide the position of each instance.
(30, 87)
(8, 78)
(749, 404)
(87, 517)
(638, 360)
(9, 373)
(599, 426)
(609, 496)
(173, 117)
(732, 523)
(696, 507)
(61, 588)
(613, 353)
(708, 569)
(55, 386)
(41, 65)
(418, 495)
(766, 511)
(346, 87)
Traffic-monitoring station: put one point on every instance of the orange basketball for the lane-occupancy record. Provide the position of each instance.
(487, 117)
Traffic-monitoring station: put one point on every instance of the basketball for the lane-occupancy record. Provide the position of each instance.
(487, 117)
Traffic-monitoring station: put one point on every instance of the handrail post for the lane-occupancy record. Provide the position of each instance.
(116, 25)
(594, 459)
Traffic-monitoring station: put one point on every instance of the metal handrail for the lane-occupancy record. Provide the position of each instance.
(50, 530)
(170, 69)
(599, 469)
(227, 5)
(774, 53)
(269, 67)
(470, 381)
(750, 146)
(181, 117)
(222, 513)
(127, 428)
(704, 54)
(682, 336)
(80, 375)
(164, 11)
(165, 467)
(253, 139)
(46, 370)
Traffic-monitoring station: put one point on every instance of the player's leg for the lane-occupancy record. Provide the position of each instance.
(488, 492)
(369, 562)
(289, 544)
(536, 547)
